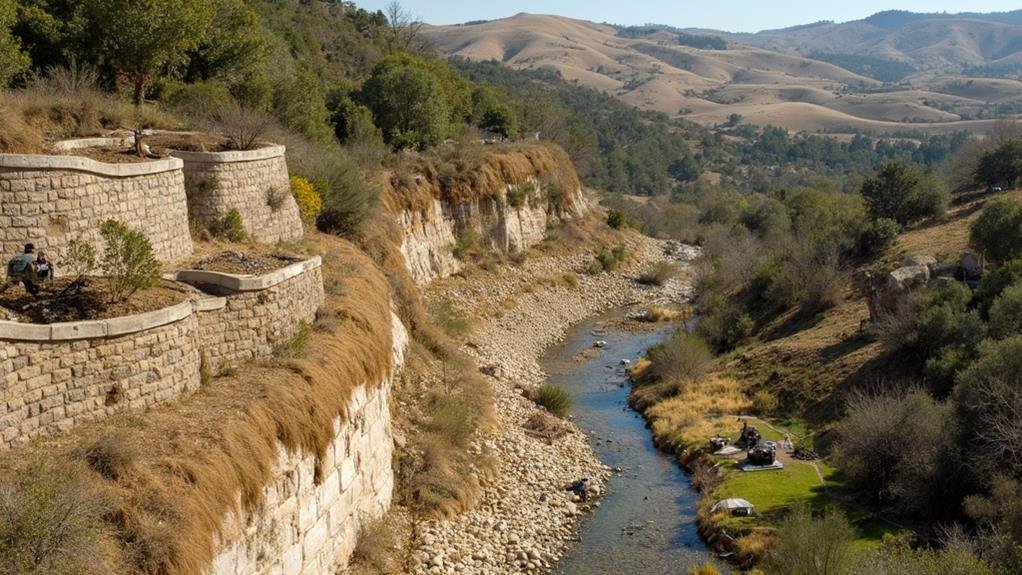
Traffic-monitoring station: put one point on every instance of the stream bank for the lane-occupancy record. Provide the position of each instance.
(647, 521)
(525, 521)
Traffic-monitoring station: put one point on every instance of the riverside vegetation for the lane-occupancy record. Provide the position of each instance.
(784, 222)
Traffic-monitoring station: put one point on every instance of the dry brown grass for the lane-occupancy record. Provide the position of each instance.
(196, 456)
(34, 118)
(701, 410)
(421, 180)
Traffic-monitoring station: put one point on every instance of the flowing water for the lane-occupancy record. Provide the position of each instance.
(646, 521)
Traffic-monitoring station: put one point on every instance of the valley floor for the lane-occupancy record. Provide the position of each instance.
(526, 520)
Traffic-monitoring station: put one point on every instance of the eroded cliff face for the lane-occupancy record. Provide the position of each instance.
(509, 200)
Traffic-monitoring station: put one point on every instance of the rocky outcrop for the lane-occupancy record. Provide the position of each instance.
(509, 202)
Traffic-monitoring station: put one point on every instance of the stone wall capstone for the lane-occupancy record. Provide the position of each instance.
(50, 200)
(54, 377)
(49, 387)
(255, 182)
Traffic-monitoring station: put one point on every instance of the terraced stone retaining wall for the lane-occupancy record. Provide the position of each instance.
(57, 376)
(254, 182)
(50, 200)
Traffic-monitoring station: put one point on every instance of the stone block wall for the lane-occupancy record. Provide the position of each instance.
(251, 323)
(310, 528)
(50, 386)
(50, 200)
(218, 182)
(57, 376)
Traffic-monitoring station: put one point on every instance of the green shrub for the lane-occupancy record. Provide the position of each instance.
(658, 276)
(553, 399)
(904, 193)
(808, 545)
(878, 235)
(230, 227)
(128, 260)
(683, 358)
(723, 324)
(453, 418)
(1006, 313)
(50, 515)
(450, 319)
(79, 258)
(615, 219)
(997, 232)
(348, 200)
(607, 260)
(297, 345)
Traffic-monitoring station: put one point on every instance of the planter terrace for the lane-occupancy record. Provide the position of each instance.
(253, 182)
(49, 200)
(57, 376)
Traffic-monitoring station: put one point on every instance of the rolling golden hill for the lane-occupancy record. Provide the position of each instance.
(768, 84)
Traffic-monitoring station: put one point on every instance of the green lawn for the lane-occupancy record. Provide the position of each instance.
(774, 492)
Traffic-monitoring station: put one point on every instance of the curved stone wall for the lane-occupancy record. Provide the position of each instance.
(254, 314)
(54, 377)
(255, 182)
(50, 200)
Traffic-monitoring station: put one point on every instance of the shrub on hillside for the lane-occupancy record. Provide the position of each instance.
(408, 104)
(309, 201)
(1006, 313)
(348, 200)
(615, 219)
(683, 358)
(553, 399)
(658, 276)
(128, 260)
(994, 282)
(997, 232)
(904, 193)
(877, 236)
(230, 227)
(809, 545)
(764, 402)
(1001, 165)
(608, 260)
(50, 513)
(297, 345)
(988, 396)
(450, 319)
(899, 449)
(723, 324)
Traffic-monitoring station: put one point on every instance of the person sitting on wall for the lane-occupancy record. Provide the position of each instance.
(29, 269)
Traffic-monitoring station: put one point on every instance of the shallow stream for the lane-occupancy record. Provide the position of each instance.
(646, 521)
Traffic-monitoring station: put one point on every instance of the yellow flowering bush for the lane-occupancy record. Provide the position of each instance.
(310, 203)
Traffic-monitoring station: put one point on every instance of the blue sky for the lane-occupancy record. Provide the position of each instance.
(730, 15)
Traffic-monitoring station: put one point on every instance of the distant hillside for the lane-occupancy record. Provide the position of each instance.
(945, 43)
(891, 72)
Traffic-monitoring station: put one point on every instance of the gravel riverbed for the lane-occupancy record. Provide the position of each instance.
(526, 520)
